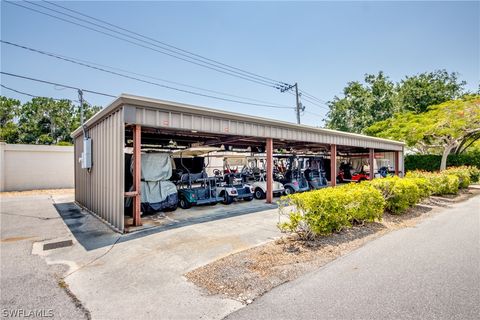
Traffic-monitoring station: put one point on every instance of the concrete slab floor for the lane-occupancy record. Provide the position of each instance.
(140, 275)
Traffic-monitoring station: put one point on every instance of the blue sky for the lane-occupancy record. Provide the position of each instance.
(320, 45)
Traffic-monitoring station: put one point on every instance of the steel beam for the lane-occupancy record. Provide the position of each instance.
(371, 162)
(269, 151)
(333, 165)
(137, 164)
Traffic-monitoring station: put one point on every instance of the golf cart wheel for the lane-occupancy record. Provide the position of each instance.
(259, 194)
(248, 198)
(184, 204)
(289, 190)
(227, 199)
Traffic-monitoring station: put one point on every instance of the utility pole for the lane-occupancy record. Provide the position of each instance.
(298, 103)
(298, 107)
(82, 120)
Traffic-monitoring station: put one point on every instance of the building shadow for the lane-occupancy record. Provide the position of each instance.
(92, 233)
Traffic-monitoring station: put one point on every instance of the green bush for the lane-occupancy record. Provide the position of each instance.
(424, 186)
(441, 183)
(474, 174)
(399, 194)
(463, 174)
(431, 162)
(324, 211)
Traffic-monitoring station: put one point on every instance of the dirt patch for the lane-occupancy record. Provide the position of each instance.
(37, 192)
(247, 275)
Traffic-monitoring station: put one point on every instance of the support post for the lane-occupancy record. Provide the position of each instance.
(371, 163)
(269, 170)
(137, 145)
(397, 163)
(333, 165)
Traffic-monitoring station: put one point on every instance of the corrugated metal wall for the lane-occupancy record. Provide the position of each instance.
(188, 121)
(102, 189)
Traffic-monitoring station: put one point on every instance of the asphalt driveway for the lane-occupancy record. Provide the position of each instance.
(431, 271)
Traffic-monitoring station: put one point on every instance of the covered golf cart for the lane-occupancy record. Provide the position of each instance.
(157, 192)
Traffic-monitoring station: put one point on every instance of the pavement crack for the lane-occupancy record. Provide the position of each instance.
(95, 259)
(29, 216)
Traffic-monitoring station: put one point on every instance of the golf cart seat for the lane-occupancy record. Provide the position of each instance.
(192, 177)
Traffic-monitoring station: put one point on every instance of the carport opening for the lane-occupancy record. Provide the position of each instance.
(200, 180)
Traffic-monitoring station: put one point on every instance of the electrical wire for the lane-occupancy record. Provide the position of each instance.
(135, 73)
(29, 94)
(56, 84)
(204, 64)
(141, 80)
(314, 103)
(312, 97)
(224, 68)
(165, 44)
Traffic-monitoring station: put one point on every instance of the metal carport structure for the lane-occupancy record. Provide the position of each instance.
(132, 121)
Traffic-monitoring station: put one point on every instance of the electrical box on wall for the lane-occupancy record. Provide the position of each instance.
(86, 158)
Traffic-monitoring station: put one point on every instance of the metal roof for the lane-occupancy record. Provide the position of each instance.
(157, 113)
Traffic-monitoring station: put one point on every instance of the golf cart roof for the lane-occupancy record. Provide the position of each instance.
(194, 152)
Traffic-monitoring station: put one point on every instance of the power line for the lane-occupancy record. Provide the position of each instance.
(165, 44)
(314, 114)
(203, 64)
(316, 104)
(313, 97)
(29, 94)
(131, 72)
(56, 84)
(142, 80)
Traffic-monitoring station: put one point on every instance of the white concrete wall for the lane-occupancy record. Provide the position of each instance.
(33, 167)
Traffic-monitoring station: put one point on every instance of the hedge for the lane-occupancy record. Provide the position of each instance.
(324, 211)
(327, 210)
(399, 194)
(431, 162)
(440, 183)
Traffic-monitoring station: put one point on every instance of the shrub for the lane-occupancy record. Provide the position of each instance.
(463, 174)
(474, 173)
(424, 186)
(367, 204)
(399, 194)
(441, 183)
(324, 211)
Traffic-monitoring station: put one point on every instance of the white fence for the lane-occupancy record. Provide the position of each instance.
(33, 167)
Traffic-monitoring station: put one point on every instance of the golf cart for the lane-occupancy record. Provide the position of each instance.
(291, 175)
(195, 188)
(232, 184)
(314, 172)
(256, 168)
(157, 192)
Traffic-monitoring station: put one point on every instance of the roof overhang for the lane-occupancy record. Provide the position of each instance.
(142, 111)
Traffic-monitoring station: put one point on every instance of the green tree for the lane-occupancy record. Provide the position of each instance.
(42, 120)
(8, 112)
(441, 129)
(362, 104)
(418, 92)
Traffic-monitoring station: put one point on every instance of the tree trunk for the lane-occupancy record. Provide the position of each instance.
(446, 152)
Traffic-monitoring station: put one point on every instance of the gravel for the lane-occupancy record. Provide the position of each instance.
(247, 275)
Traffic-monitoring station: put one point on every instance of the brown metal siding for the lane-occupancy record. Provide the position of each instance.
(101, 190)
